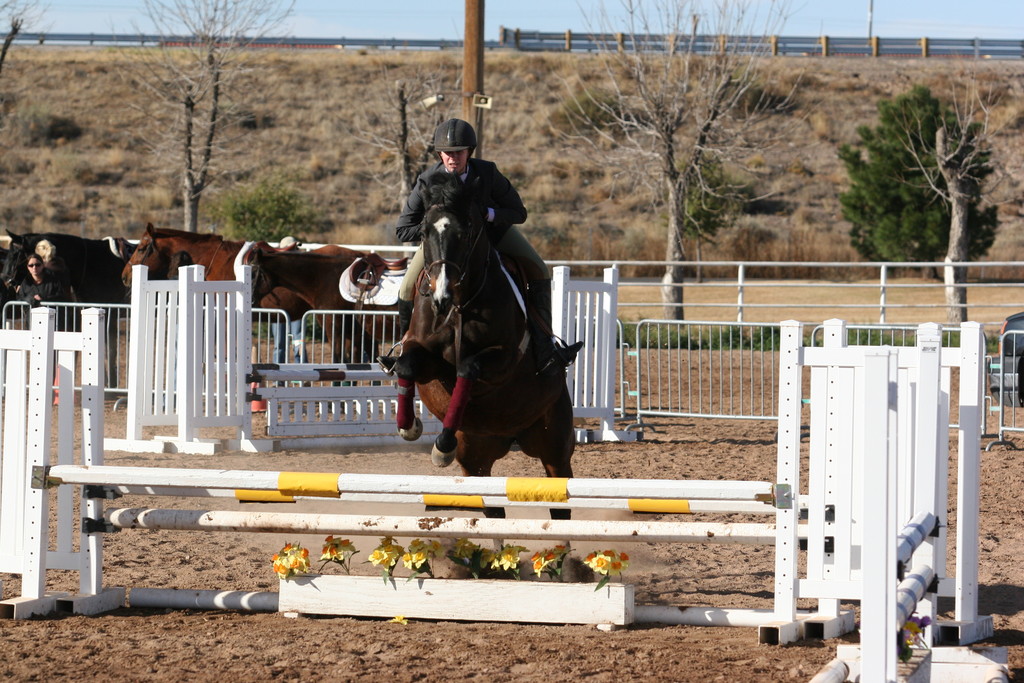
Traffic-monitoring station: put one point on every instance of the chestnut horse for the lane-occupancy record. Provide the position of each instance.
(164, 251)
(314, 277)
(467, 352)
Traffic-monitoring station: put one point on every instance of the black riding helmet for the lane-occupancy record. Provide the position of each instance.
(454, 135)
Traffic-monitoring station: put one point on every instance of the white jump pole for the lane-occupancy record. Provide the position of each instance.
(331, 484)
(174, 598)
(614, 531)
(463, 502)
(705, 616)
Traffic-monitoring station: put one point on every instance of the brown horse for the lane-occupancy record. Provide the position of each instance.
(164, 251)
(466, 352)
(314, 277)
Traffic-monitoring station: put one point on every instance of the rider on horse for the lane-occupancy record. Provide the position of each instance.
(454, 142)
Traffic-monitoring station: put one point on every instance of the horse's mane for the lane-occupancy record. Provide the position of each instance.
(445, 189)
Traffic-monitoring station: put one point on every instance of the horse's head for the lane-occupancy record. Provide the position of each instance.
(146, 254)
(17, 255)
(455, 245)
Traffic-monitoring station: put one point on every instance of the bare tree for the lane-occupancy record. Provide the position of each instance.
(667, 103)
(955, 166)
(399, 120)
(16, 15)
(204, 49)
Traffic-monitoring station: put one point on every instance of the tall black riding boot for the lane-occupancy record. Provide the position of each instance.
(404, 317)
(548, 355)
(387, 361)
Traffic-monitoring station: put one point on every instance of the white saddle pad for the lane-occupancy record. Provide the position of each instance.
(384, 292)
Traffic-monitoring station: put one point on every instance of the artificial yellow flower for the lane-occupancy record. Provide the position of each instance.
(399, 620)
(386, 556)
(292, 560)
(464, 549)
(550, 561)
(508, 558)
(336, 549)
(609, 563)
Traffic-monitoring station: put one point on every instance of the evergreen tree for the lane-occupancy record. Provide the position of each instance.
(896, 213)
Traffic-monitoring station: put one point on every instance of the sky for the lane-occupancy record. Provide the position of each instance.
(444, 19)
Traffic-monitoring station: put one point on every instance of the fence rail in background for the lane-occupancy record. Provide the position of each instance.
(776, 46)
(883, 292)
(571, 41)
(726, 370)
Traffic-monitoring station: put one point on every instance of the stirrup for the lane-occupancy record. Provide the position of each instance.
(561, 357)
(567, 354)
(387, 361)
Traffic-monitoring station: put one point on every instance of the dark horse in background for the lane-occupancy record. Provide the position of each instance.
(467, 352)
(93, 268)
(165, 250)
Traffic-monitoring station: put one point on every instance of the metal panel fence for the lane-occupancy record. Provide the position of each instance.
(705, 369)
(1005, 384)
(729, 370)
(348, 336)
(15, 316)
(664, 368)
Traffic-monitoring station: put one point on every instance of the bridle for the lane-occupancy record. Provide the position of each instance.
(428, 276)
(428, 280)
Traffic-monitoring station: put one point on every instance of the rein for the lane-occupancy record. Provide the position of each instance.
(453, 319)
(216, 251)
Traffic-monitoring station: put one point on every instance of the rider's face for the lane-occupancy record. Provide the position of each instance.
(455, 162)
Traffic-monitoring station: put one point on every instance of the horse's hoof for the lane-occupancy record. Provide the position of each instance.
(414, 432)
(442, 459)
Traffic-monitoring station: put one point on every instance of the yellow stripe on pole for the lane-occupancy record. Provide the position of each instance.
(663, 506)
(322, 484)
(251, 496)
(439, 501)
(537, 489)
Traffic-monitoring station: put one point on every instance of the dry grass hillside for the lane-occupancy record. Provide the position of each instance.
(74, 156)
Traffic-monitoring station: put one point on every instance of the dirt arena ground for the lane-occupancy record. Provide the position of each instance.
(159, 645)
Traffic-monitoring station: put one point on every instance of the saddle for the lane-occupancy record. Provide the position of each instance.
(373, 279)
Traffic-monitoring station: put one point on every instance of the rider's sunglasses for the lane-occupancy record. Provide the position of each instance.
(35, 265)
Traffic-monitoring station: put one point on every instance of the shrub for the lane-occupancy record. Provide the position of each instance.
(267, 210)
(33, 127)
(587, 109)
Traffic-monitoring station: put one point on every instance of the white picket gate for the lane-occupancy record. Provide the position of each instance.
(188, 356)
(588, 311)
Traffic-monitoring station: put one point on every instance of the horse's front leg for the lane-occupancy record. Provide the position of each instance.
(488, 363)
(416, 364)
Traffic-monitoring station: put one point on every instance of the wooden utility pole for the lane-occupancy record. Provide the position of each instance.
(473, 68)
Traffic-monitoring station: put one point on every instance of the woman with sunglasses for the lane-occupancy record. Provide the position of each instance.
(40, 284)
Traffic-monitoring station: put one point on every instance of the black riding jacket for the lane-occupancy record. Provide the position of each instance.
(494, 191)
